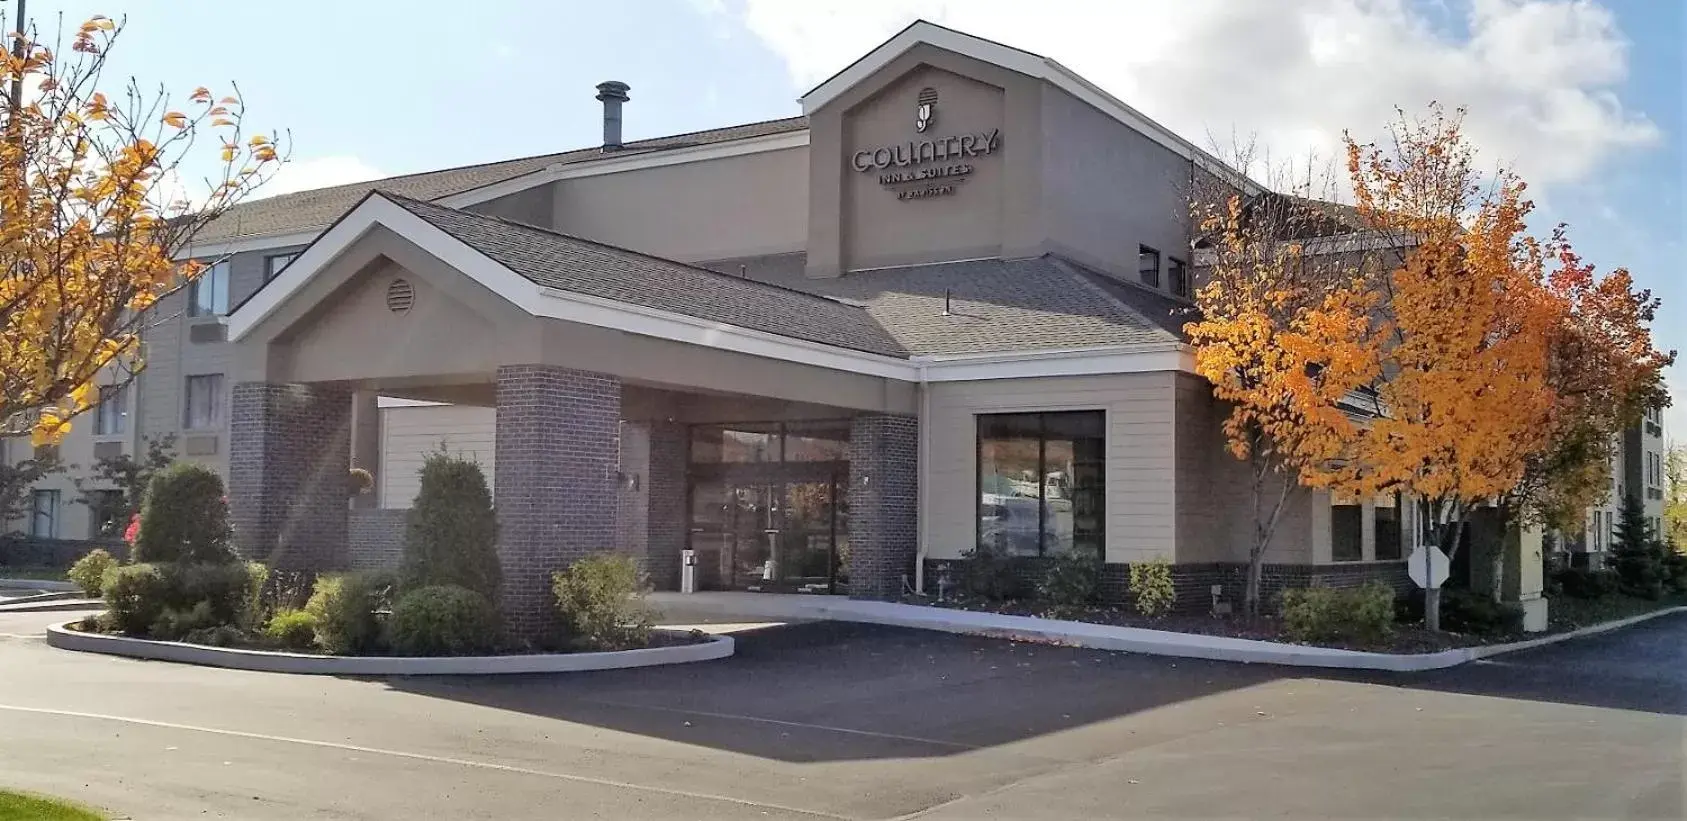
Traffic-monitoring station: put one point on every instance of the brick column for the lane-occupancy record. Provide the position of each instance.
(289, 450)
(558, 451)
(666, 523)
(883, 504)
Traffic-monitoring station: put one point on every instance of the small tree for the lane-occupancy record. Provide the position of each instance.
(452, 534)
(129, 476)
(185, 518)
(1634, 552)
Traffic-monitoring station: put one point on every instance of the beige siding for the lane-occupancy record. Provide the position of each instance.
(410, 433)
(1141, 478)
(731, 207)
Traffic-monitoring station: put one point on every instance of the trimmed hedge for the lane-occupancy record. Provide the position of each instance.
(185, 518)
(601, 598)
(347, 609)
(442, 620)
(451, 535)
(1364, 614)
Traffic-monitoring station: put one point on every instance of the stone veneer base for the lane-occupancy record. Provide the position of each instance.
(62, 637)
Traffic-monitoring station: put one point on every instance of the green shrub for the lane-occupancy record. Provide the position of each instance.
(293, 629)
(442, 620)
(602, 602)
(988, 572)
(1636, 553)
(185, 518)
(1072, 578)
(174, 623)
(451, 536)
(222, 635)
(1464, 611)
(1675, 571)
(89, 571)
(1152, 588)
(135, 596)
(347, 610)
(1364, 614)
(226, 588)
(1585, 583)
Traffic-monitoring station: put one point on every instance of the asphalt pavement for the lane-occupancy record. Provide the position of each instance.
(830, 720)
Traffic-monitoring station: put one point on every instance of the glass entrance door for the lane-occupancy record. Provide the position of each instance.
(809, 537)
(783, 536)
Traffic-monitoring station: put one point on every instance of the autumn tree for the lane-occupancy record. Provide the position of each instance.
(94, 214)
(1283, 318)
(1675, 496)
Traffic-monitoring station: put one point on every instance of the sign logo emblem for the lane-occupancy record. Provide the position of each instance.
(926, 114)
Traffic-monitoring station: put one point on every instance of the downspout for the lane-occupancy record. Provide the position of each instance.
(922, 461)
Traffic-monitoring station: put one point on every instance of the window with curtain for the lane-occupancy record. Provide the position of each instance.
(207, 295)
(202, 404)
(1041, 482)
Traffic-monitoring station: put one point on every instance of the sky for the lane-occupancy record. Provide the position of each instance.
(1587, 99)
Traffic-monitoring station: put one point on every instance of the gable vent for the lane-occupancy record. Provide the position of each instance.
(400, 296)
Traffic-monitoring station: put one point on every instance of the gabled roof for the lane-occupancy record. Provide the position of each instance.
(568, 263)
(924, 32)
(994, 305)
(315, 209)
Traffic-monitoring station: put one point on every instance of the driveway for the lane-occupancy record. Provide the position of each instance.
(827, 720)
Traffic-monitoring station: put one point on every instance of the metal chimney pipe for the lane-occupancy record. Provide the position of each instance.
(612, 94)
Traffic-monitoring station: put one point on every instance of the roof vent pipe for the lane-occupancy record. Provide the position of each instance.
(612, 94)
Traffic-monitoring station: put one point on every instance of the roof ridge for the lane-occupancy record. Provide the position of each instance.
(1084, 275)
(622, 249)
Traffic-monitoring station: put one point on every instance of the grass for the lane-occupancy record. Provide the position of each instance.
(16, 806)
(50, 574)
(1567, 613)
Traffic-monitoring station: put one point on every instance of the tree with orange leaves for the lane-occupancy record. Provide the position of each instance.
(92, 217)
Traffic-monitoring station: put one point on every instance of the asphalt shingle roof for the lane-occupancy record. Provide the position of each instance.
(994, 305)
(306, 210)
(581, 266)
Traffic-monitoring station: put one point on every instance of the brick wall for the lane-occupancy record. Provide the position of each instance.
(557, 459)
(375, 538)
(667, 517)
(883, 504)
(289, 453)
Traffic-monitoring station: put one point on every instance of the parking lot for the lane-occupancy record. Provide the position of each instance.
(849, 721)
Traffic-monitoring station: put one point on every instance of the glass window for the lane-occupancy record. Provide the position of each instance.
(274, 263)
(1388, 526)
(1347, 524)
(817, 442)
(207, 295)
(44, 515)
(1148, 265)
(711, 444)
(112, 415)
(1041, 481)
(203, 404)
(1178, 273)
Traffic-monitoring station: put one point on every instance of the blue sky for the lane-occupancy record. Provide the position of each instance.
(1586, 98)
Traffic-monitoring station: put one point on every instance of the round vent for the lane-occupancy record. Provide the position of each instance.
(400, 296)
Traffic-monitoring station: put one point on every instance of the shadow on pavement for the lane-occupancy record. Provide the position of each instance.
(831, 691)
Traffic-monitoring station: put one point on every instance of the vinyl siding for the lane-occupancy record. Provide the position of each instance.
(409, 434)
(1141, 460)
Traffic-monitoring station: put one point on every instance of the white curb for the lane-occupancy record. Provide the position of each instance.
(1102, 636)
(61, 636)
(37, 584)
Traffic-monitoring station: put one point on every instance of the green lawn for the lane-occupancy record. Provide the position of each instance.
(16, 806)
(51, 574)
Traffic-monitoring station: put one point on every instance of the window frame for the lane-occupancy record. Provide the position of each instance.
(216, 407)
(52, 514)
(1177, 276)
(216, 272)
(270, 266)
(1042, 484)
(1142, 273)
(1359, 505)
(111, 415)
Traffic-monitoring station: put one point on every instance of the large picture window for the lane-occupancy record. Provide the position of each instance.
(1041, 486)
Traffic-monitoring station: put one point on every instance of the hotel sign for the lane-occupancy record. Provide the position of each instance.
(919, 169)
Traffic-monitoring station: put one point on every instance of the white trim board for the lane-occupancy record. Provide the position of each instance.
(1022, 62)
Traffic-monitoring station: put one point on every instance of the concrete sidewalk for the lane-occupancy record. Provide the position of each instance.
(791, 607)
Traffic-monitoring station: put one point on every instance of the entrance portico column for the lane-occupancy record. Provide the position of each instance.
(289, 453)
(883, 503)
(558, 454)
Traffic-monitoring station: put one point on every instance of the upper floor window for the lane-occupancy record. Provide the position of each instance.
(273, 264)
(202, 406)
(207, 295)
(112, 415)
(1178, 273)
(1148, 265)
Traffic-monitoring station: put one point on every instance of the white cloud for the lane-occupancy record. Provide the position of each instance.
(318, 172)
(1537, 75)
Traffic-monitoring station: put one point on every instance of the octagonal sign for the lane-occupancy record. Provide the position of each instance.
(1430, 572)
